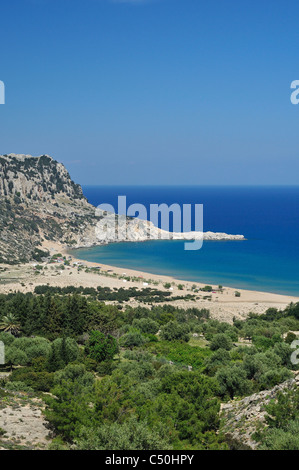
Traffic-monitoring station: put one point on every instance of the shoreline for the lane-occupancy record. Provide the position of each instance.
(223, 306)
(72, 251)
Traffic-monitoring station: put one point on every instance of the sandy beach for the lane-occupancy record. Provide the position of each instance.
(223, 305)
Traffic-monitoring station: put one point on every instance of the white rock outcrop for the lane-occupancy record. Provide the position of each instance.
(115, 228)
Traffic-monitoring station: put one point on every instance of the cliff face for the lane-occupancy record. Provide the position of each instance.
(36, 178)
(39, 201)
(241, 419)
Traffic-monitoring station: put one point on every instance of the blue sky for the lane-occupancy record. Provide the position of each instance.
(153, 92)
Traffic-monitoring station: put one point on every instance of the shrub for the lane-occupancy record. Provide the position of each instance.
(221, 341)
(18, 387)
(132, 339)
(290, 337)
(220, 358)
(7, 338)
(75, 375)
(16, 357)
(233, 381)
(146, 325)
(63, 351)
(131, 435)
(274, 377)
(101, 347)
(279, 439)
(37, 381)
(173, 331)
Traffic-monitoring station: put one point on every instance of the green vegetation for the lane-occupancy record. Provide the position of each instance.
(146, 295)
(101, 347)
(283, 421)
(145, 378)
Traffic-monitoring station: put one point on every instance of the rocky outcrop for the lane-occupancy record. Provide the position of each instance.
(39, 202)
(243, 418)
(114, 228)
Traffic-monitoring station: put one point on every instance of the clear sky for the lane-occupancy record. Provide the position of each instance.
(153, 92)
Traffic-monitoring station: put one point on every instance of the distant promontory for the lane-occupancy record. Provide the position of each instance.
(39, 202)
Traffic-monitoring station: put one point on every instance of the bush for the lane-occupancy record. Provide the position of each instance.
(179, 352)
(16, 357)
(137, 370)
(290, 337)
(75, 375)
(132, 339)
(233, 381)
(18, 387)
(101, 347)
(284, 351)
(207, 289)
(173, 331)
(262, 343)
(63, 351)
(7, 338)
(146, 325)
(274, 377)
(280, 439)
(219, 359)
(37, 381)
(258, 365)
(132, 435)
(106, 368)
(23, 351)
(221, 341)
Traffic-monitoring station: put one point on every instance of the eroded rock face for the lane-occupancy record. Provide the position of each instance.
(241, 419)
(37, 179)
(39, 202)
(114, 228)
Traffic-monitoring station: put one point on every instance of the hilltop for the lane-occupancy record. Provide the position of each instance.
(38, 202)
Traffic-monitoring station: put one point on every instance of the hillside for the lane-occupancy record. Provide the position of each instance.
(243, 419)
(39, 201)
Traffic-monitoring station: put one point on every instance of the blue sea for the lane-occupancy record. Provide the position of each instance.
(268, 260)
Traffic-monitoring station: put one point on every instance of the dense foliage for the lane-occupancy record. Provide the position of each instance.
(145, 378)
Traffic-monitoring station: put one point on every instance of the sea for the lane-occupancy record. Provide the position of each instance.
(268, 217)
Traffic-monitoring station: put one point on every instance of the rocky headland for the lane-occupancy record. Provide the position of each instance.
(40, 203)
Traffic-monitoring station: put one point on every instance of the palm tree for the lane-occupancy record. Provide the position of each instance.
(10, 324)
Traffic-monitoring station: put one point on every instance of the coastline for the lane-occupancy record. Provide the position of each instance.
(223, 306)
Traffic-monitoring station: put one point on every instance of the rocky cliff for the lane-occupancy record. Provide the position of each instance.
(242, 419)
(40, 202)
